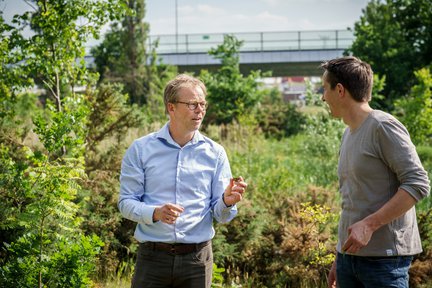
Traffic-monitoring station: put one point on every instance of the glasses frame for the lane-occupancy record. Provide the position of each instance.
(194, 105)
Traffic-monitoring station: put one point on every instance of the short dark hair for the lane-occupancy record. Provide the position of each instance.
(180, 81)
(355, 75)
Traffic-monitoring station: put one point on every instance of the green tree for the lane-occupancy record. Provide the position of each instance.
(377, 90)
(106, 55)
(40, 180)
(108, 121)
(395, 37)
(159, 74)
(61, 29)
(134, 40)
(279, 119)
(122, 56)
(12, 78)
(416, 109)
(230, 94)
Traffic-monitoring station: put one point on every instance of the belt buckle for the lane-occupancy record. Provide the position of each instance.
(173, 250)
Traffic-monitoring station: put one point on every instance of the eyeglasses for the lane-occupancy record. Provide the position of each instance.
(194, 105)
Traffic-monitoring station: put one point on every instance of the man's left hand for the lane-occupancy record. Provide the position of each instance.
(234, 192)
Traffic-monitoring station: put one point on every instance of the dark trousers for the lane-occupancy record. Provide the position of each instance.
(156, 268)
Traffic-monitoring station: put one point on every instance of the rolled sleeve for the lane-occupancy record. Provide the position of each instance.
(401, 156)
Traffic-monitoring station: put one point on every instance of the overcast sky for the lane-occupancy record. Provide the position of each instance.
(218, 16)
(230, 16)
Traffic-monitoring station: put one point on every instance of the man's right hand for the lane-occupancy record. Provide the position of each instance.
(331, 281)
(167, 213)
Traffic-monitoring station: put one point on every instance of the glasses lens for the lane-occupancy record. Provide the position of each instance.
(194, 105)
(203, 105)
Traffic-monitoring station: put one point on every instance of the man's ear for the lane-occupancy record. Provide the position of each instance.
(340, 89)
(170, 107)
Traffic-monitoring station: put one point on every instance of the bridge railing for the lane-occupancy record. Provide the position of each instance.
(255, 41)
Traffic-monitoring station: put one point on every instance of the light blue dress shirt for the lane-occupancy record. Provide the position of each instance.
(156, 170)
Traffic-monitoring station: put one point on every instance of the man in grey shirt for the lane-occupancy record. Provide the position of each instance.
(381, 179)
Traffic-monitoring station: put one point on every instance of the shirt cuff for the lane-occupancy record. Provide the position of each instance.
(147, 215)
(225, 207)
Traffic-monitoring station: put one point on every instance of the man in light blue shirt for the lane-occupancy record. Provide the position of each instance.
(173, 183)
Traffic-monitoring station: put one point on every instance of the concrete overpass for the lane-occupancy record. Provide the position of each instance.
(285, 53)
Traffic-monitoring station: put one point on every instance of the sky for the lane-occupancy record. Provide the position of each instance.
(236, 16)
(231, 16)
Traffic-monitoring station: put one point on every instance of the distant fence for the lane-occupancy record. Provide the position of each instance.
(255, 41)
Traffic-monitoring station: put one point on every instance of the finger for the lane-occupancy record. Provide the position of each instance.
(169, 219)
(241, 184)
(353, 248)
(237, 192)
(237, 180)
(237, 196)
(228, 189)
(238, 189)
(346, 248)
(347, 245)
(173, 215)
(242, 181)
(175, 207)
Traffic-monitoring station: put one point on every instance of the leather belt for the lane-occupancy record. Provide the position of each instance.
(175, 248)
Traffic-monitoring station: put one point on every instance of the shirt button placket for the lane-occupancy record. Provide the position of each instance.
(177, 196)
(179, 171)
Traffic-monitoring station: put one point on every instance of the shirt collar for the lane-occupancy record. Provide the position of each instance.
(164, 134)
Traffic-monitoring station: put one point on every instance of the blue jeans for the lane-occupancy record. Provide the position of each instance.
(371, 272)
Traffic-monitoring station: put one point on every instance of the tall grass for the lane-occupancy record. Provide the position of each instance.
(285, 233)
(285, 178)
(269, 243)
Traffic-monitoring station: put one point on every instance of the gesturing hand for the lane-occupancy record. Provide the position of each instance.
(167, 213)
(359, 235)
(234, 191)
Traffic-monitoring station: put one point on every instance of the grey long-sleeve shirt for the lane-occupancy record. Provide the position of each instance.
(375, 161)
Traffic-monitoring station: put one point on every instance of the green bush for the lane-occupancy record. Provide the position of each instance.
(260, 247)
(69, 264)
(280, 120)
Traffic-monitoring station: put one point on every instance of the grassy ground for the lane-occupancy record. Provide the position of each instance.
(115, 284)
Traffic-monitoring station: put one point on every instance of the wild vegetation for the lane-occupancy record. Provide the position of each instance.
(60, 154)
